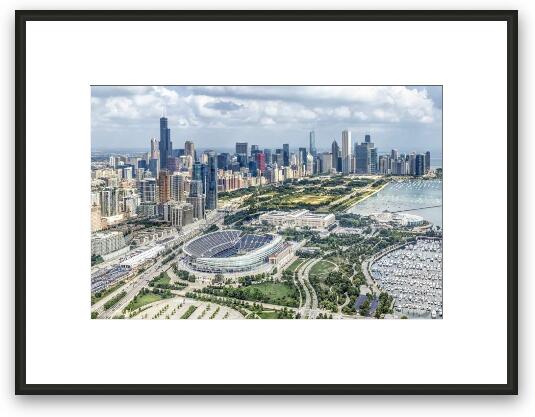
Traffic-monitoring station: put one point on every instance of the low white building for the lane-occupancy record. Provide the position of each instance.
(298, 218)
(402, 219)
(141, 256)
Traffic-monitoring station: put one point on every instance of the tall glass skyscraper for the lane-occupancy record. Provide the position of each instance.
(211, 181)
(335, 151)
(286, 154)
(166, 148)
(269, 158)
(346, 151)
(312, 145)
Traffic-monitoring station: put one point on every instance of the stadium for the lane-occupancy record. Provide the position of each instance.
(227, 251)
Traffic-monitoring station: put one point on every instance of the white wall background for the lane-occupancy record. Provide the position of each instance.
(311, 406)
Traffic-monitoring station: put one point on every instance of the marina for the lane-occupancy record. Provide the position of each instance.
(412, 275)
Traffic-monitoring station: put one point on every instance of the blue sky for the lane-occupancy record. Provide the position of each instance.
(403, 117)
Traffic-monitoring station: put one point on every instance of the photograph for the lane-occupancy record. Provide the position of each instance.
(281, 166)
(227, 202)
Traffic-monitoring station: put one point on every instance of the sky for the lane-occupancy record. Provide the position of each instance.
(407, 118)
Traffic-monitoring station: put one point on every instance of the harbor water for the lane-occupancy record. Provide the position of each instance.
(412, 196)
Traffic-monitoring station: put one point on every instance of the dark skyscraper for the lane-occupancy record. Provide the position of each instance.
(269, 158)
(223, 161)
(200, 174)
(211, 181)
(303, 156)
(367, 138)
(253, 168)
(419, 165)
(242, 148)
(166, 147)
(286, 154)
(362, 154)
(335, 151)
(197, 172)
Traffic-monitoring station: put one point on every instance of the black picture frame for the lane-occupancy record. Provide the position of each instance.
(509, 16)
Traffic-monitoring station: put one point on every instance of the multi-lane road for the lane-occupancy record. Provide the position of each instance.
(140, 281)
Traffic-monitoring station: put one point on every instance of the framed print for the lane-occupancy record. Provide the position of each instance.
(280, 202)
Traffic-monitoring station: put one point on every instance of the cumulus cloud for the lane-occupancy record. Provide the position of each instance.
(287, 108)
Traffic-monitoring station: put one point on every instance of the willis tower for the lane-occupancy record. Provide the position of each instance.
(166, 146)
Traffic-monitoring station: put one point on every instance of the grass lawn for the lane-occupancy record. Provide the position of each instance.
(273, 293)
(267, 314)
(295, 265)
(162, 280)
(322, 268)
(142, 300)
(312, 199)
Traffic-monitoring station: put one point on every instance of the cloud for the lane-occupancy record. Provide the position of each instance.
(224, 106)
(283, 109)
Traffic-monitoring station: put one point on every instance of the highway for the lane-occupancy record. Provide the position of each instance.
(137, 283)
(310, 308)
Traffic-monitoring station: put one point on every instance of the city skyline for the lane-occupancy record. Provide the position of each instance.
(315, 228)
(217, 117)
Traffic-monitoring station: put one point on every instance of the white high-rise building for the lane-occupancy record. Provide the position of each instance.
(154, 148)
(346, 152)
(326, 162)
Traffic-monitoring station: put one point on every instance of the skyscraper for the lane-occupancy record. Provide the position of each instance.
(362, 155)
(335, 150)
(269, 158)
(242, 148)
(374, 162)
(312, 143)
(367, 139)
(148, 190)
(302, 156)
(419, 165)
(166, 147)
(412, 163)
(427, 162)
(177, 187)
(109, 202)
(164, 186)
(261, 161)
(211, 181)
(253, 168)
(346, 151)
(223, 160)
(326, 162)
(154, 167)
(279, 157)
(189, 148)
(286, 154)
(154, 149)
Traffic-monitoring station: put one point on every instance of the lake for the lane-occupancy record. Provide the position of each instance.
(411, 194)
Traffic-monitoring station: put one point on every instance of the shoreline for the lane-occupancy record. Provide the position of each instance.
(366, 197)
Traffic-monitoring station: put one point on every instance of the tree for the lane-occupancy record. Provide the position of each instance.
(365, 308)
